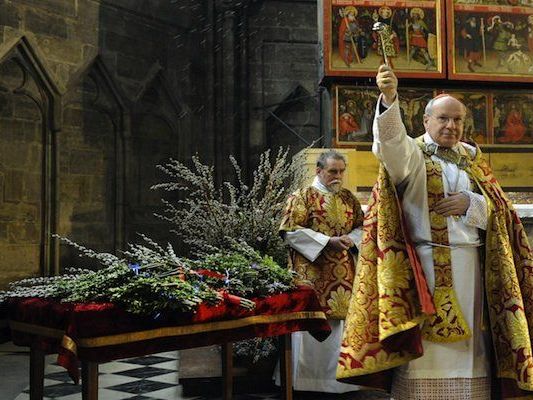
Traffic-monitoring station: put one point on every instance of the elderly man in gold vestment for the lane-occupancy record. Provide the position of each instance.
(444, 285)
(321, 224)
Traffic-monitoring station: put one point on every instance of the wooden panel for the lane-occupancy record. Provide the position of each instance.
(512, 169)
(364, 168)
(352, 48)
(482, 44)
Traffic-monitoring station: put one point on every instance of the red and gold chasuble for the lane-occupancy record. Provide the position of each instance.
(391, 298)
(332, 273)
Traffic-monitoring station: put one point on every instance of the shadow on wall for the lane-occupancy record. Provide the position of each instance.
(294, 122)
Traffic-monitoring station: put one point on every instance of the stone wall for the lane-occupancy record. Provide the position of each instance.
(93, 94)
(283, 59)
(21, 173)
(264, 96)
(265, 77)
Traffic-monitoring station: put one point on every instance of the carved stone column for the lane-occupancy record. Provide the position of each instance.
(230, 40)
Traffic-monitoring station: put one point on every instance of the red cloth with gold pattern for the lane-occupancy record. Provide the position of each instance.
(332, 273)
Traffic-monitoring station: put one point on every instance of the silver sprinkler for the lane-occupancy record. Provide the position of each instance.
(379, 27)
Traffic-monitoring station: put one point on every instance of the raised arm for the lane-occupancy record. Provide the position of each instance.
(392, 146)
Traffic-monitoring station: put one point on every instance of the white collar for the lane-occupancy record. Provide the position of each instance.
(320, 186)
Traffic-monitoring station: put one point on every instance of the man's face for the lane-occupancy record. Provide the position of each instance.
(445, 124)
(332, 174)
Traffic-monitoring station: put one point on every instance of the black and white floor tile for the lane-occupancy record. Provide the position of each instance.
(153, 377)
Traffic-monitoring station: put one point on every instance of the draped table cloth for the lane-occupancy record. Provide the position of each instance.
(102, 332)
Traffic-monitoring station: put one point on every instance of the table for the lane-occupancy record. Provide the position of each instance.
(94, 333)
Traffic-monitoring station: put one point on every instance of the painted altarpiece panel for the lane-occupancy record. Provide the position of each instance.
(512, 118)
(354, 108)
(490, 40)
(495, 118)
(413, 37)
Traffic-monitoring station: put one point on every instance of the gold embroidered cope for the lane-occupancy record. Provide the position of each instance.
(385, 299)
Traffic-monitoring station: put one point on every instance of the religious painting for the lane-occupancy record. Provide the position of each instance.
(492, 40)
(412, 107)
(476, 125)
(358, 36)
(354, 108)
(512, 118)
(354, 113)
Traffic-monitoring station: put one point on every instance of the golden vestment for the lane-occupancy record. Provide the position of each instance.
(391, 298)
(332, 273)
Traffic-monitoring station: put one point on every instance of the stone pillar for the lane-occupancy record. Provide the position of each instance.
(230, 43)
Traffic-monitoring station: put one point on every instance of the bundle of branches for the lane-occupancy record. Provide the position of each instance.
(213, 218)
(232, 229)
(151, 279)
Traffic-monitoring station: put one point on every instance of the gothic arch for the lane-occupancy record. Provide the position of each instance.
(108, 98)
(32, 97)
(95, 125)
(158, 125)
(156, 98)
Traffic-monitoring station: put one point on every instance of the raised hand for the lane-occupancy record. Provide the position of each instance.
(387, 83)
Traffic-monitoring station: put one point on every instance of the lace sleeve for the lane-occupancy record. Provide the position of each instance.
(477, 214)
(388, 125)
(393, 147)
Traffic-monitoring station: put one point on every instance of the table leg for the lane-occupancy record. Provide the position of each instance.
(227, 371)
(286, 366)
(89, 380)
(36, 373)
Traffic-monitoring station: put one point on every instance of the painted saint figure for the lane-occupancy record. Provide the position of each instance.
(514, 129)
(530, 33)
(347, 124)
(418, 33)
(472, 41)
(352, 43)
(501, 34)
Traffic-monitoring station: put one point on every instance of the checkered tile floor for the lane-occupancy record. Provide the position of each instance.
(152, 377)
(144, 378)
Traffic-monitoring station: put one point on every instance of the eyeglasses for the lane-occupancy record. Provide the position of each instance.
(442, 119)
